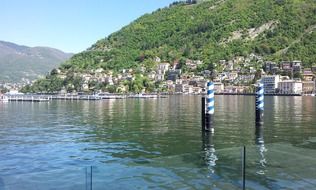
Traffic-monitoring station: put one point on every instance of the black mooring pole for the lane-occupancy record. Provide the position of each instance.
(91, 178)
(244, 168)
(203, 113)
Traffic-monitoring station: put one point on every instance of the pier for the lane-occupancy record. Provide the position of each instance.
(23, 98)
(46, 97)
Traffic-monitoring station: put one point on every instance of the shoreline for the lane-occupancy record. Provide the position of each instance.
(253, 94)
(48, 97)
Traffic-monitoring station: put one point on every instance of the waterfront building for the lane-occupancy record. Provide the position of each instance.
(308, 87)
(178, 88)
(232, 75)
(185, 81)
(201, 83)
(241, 89)
(235, 89)
(290, 87)
(218, 87)
(193, 83)
(308, 75)
(230, 89)
(184, 88)
(270, 83)
(14, 92)
(197, 90)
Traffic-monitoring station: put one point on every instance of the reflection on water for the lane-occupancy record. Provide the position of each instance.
(261, 150)
(209, 149)
(123, 135)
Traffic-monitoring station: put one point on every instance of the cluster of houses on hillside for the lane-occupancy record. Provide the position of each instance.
(303, 83)
(234, 76)
(232, 79)
(5, 86)
(277, 84)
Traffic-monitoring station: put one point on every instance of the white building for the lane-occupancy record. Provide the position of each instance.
(308, 87)
(159, 77)
(14, 92)
(232, 76)
(163, 67)
(218, 87)
(187, 89)
(152, 75)
(270, 83)
(290, 87)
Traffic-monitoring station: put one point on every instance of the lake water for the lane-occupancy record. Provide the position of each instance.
(157, 144)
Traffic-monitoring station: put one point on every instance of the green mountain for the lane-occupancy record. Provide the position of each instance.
(210, 31)
(18, 63)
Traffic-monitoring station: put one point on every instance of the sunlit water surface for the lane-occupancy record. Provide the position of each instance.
(157, 144)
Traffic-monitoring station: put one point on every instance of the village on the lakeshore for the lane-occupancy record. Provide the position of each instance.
(237, 76)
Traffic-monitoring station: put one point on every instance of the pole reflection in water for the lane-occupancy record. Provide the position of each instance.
(261, 149)
(209, 151)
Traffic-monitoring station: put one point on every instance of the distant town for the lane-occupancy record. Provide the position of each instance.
(237, 76)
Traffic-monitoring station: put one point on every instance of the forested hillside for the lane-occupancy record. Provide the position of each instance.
(210, 31)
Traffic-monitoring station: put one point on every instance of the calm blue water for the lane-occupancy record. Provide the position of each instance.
(157, 144)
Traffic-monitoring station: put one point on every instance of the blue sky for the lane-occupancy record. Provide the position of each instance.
(69, 25)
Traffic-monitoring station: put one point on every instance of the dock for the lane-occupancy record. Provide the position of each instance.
(75, 97)
(24, 98)
(46, 98)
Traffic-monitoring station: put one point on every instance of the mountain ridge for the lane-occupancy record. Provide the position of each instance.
(20, 63)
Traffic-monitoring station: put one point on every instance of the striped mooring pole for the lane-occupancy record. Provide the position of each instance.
(210, 107)
(259, 103)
